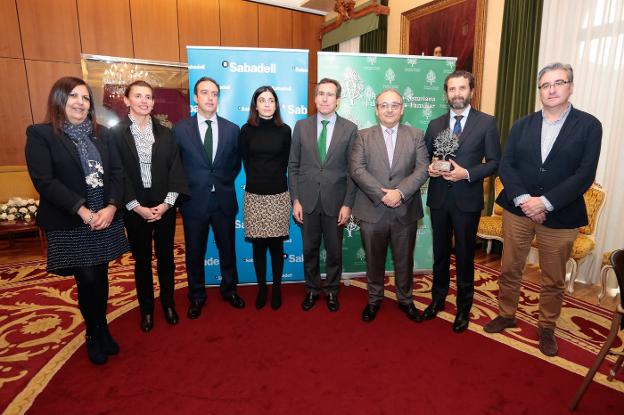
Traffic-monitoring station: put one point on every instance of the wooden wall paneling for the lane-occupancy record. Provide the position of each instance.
(239, 23)
(274, 27)
(105, 27)
(10, 41)
(155, 29)
(15, 113)
(41, 77)
(198, 24)
(305, 34)
(49, 30)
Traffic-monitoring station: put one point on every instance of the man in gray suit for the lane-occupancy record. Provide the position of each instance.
(389, 165)
(322, 190)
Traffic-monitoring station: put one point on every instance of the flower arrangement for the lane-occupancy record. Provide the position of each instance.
(19, 210)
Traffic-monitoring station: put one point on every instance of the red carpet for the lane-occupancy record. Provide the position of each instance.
(292, 362)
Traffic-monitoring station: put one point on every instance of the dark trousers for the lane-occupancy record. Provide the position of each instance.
(196, 240)
(317, 225)
(402, 239)
(92, 284)
(140, 235)
(447, 222)
(275, 246)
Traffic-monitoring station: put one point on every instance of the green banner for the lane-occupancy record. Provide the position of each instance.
(420, 80)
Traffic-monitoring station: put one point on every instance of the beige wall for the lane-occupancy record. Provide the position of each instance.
(493, 29)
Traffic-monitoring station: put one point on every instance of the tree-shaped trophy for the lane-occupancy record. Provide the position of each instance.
(444, 146)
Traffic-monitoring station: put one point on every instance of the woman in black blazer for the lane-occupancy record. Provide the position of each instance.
(154, 183)
(76, 170)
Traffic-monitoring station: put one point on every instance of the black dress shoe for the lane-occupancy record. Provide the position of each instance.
(332, 302)
(94, 351)
(309, 301)
(432, 310)
(171, 316)
(411, 312)
(370, 312)
(235, 301)
(194, 309)
(147, 322)
(108, 344)
(461, 322)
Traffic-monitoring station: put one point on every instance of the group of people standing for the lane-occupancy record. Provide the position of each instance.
(93, 180)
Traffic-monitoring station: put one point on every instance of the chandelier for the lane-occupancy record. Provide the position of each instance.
(119, 75)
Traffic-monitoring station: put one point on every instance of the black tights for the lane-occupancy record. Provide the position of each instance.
(276, 248)
(92, 283)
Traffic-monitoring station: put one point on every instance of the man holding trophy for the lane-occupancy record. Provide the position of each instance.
(465, 147)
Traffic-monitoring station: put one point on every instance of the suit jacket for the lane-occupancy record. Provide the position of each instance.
(167, 172)
(478, 140)
(331, 182)
(563, 178)
(55, 169)
(200, 176)
(371, 170)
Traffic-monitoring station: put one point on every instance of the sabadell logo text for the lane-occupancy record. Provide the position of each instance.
(249, 68)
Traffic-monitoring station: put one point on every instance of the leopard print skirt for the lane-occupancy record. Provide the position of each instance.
(266, 216)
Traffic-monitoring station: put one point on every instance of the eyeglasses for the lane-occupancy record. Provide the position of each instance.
(389, 105)
(557, 84)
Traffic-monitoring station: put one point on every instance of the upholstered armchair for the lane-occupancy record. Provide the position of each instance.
(491, 227)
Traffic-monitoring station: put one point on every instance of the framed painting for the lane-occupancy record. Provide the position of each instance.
(448, 28)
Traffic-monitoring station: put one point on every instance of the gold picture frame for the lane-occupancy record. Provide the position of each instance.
(411, 16)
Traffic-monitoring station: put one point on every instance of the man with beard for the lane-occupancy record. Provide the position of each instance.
(455, 197)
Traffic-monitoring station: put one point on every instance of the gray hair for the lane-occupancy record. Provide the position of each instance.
(555, 66)
(389, 90)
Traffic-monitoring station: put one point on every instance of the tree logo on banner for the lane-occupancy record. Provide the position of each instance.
(412, 61)
(369, 96)
(390, 76)
(372, 60)
(361, 254)
(427, 112)
(450, 64)
(353, 85)
(351, 226)
(431, 77)
(408, 94)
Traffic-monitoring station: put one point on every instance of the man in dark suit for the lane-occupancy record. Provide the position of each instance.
(211, 160)
(389, 165)
(455, 197)
(549, 162)
(322, 190)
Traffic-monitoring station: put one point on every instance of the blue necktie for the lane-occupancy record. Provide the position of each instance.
(457, 128)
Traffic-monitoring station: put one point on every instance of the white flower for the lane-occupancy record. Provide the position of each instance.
(31, 201)
(10, 217)
(26, 217)
(3, 207)
(3, 216)
(23, 210)
(12, 210)
(32, 208)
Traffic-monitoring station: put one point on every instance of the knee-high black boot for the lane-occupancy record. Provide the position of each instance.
(89, 302)
(276, 247)
(259, 257)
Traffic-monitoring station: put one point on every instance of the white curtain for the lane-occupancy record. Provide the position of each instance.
(589, 35)
(350, 46)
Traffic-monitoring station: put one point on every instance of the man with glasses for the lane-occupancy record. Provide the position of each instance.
(455, 197)
(322, 190)
(548, 163)
(389, 165)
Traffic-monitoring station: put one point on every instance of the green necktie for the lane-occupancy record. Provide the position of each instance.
(322, 141)
(208, 142)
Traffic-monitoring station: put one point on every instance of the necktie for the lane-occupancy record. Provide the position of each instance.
(208, 142)
(457, 128)
(322, 141)
(389, 144)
